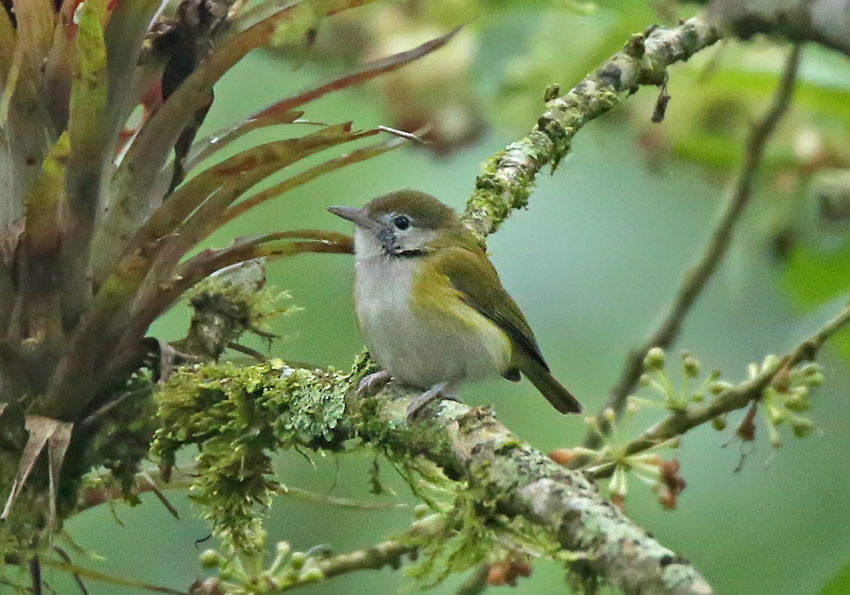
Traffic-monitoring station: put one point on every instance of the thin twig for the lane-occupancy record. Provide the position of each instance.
(738, 397)
(64, 555)
(387, 553)
(152, 482)
(315, 497)
(476, 583)
(695, 279)
(119, 581)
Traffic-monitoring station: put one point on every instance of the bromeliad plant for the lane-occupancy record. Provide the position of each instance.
(97, 217)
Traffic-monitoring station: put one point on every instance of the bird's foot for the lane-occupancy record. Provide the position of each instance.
(373, 383)
(438, 391)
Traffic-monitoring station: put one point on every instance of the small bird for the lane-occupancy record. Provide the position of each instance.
(432, 308)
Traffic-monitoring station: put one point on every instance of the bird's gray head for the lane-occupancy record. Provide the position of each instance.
(402, 223)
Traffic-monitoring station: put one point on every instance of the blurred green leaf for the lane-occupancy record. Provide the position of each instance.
(838, 584)
(815, 275)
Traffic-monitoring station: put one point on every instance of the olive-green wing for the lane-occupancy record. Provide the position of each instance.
(472, 274)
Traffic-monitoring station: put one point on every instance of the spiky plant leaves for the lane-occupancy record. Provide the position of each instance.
(35, 30)
(43, 431)
(307, 175)
(87, 128)
(282, 112)
(94, 235)
(124, 41)
(45, 226)
(129, 204)
(207, 262)
(209, 145)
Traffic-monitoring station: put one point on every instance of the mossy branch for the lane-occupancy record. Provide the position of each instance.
(508, 176)
(470, 445)
(210, 405)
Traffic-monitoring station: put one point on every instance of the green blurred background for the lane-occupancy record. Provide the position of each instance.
(592, 263)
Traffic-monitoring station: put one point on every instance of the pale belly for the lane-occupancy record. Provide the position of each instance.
(420, 348)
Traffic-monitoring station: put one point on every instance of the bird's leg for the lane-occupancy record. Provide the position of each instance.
(373, 383)
(438, 391)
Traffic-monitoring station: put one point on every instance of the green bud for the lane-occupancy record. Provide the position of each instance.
(421, 510)
(775, 415)
(802, 427)
(718, 423)
(654, 359)
(801, 391)
(314, 575)
(297, 560)
(283, 548)
(225, 574)
(810, 369)
(815, 380)
(691, 366)
(719, 386)
(697, 398)
(798, 402)
(209, 559)
(645, 380)
(715, 374)
(770, 361)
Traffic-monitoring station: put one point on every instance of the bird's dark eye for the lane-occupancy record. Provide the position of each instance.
(401, 222)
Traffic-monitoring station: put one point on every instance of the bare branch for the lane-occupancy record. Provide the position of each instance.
(695, 279)
(826, 22)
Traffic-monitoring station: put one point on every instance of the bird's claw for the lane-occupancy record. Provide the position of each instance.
(438, 391)
(373, 383)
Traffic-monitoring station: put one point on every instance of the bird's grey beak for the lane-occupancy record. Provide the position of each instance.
(356, 216)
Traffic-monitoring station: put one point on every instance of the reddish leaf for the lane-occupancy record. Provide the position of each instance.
(125, 34)
(208, 146)
(312, 173)
(35, 29)
(130, 203)
(281, 112)
(232, 176)
(274, 245)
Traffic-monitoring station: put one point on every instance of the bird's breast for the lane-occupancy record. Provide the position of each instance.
(434, 338)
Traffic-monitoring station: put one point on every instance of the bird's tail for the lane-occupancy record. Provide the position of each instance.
(561, 399)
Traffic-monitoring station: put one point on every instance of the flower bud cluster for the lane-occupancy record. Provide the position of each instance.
(787, 396)
(656, 378)
(242, 577)
(613, 458)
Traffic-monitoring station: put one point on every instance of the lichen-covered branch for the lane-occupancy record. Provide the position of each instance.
(209, 407)
(826, 22)
(696, 278)
(470, 445)
(508, 176)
